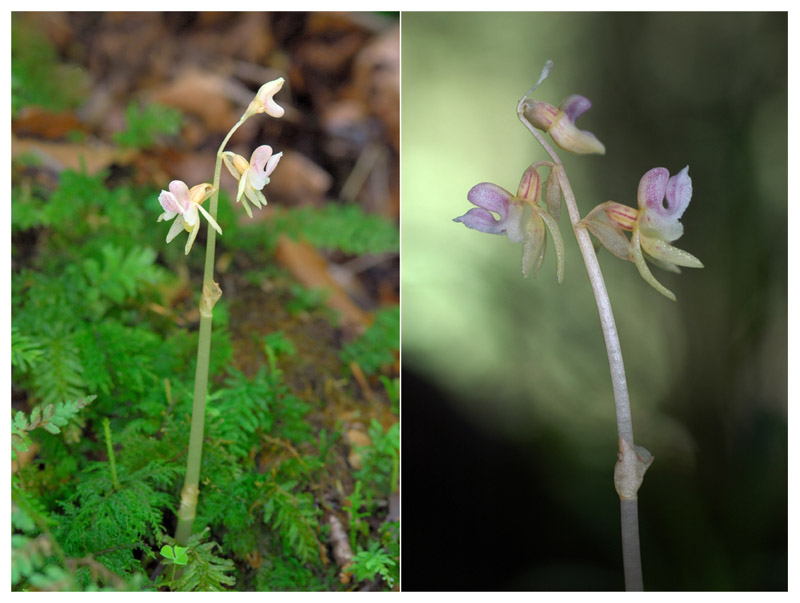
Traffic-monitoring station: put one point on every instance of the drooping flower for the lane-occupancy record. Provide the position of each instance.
(264, 103)
(560, 123)
(253, 176)
(662, 201)
(183, 204)
(521, 218)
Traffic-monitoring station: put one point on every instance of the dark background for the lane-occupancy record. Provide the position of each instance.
(485, 510)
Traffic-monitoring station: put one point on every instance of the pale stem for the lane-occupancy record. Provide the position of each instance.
(211, 293)
(629, 513)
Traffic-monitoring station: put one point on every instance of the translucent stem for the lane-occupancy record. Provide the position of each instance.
(211, 293)
(625, 480)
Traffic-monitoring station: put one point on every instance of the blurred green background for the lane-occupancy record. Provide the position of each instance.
(509, 435)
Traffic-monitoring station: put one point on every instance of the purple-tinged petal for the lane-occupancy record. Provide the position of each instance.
(490, 196)
(575, 106)
(169, 204)
(481, 220)
(663, 201)
(652, 188)
(679, 192)
(258, 166)
(180, 192)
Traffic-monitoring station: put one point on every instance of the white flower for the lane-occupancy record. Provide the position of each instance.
(252, 176)
(264, 103)
(183, 204)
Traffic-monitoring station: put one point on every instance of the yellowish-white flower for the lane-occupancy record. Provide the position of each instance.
(253, 176)
(183, 204)
(264, 103)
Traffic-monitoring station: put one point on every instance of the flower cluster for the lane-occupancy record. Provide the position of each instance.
(662, 201)
(184, 204)
(521, 218)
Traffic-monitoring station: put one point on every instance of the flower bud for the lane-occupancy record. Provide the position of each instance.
(560, 124)
(530, 184)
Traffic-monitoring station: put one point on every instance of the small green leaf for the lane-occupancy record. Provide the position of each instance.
(176, 554)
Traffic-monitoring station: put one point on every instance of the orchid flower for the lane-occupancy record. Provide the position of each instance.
(252, 176)
(662, 201)
(182, 204)
(519, 225)
(560, 124)
(264, 103)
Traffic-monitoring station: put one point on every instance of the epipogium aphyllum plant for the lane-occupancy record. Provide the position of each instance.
(527, 217)
(184, 205)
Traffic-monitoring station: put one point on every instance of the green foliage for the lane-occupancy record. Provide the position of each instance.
(377, 345)
(293, 514)
(25, 351)
(289, 574)
(380, 460)
(305, 299)
(203, 570)
(392, 387)
(49, 417)
(175, 554)
(112, 524)
(146, 124)
(240, 412)
(342, 227)
(358, 510)
(373, 561)
(37, 78)
(119, 273)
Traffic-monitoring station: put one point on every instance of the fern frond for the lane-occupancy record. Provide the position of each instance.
(60, 374)
(295, 517)
(205, 572)
(378, 345)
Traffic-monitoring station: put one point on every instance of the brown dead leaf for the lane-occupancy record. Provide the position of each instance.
(299, 180)
(200, 93)
(60, 156)
(376, 82)
(311, 269)
(33, 121)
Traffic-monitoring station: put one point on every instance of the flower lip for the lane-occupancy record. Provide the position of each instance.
(574, 106)
(664, 200)
(262, 163)
(264, 103)
(492, 198)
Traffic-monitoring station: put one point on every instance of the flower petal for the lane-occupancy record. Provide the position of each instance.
(176, 228)
(258, 167)
(575, 106)
(644, 271)
(608, 232)
(180, 194)
(663, 251)
(192, 236)
(535, 244)
(211, 220)
(481, 220)
(558, 243)
(490, 196)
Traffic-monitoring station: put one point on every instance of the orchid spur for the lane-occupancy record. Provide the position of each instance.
(522, 220)
(662, 201)
(252, 176)
(183, 204)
